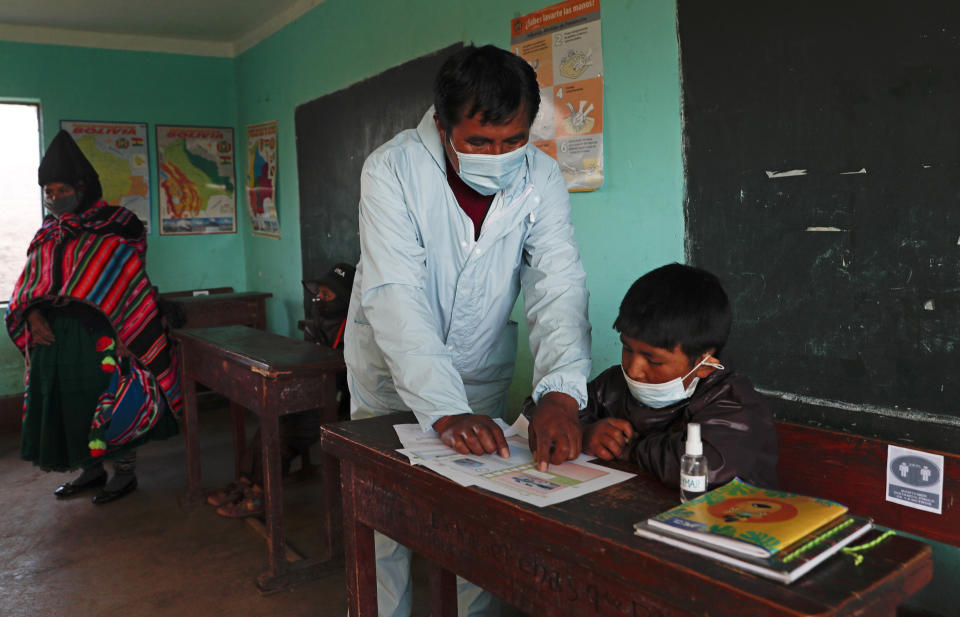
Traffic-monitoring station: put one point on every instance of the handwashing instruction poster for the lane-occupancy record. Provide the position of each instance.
(562, 44)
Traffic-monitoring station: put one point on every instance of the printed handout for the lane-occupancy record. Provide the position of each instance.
(516, 477)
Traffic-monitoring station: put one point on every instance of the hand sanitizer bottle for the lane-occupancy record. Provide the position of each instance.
(693, 466)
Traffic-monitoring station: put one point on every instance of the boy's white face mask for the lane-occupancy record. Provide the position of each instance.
(659, 395)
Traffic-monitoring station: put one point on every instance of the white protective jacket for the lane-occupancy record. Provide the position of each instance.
(429, 327)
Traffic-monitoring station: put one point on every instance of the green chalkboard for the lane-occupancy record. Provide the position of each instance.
(822, 151)
(335, 134)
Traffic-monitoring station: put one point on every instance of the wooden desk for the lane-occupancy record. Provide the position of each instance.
(579, 557)
(270, 375)
(247, 308)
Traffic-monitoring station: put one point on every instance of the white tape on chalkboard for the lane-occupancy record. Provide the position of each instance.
(786, 174)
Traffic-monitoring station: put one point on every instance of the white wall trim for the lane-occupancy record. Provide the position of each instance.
(272, 25)
(109, 40)
(135, 42)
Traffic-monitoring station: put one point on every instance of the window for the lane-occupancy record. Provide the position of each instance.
(21, 208)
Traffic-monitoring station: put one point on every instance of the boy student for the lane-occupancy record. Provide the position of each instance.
(673, 323)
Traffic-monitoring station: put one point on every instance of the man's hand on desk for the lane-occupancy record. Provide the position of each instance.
(554, 430)
(469, 433)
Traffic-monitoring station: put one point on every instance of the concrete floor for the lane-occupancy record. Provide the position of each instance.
(145, 555)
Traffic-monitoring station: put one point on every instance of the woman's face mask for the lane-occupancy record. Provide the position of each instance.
(659, 395)
(61, 205)
(60, 198)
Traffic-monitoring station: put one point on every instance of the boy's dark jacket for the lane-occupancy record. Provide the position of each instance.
(737, 429)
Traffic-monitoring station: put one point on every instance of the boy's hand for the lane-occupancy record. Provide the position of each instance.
(469, 433)
(40, 332)
(607, 438)
(554, 431)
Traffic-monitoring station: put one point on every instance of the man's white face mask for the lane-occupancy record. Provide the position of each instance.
(489, 173)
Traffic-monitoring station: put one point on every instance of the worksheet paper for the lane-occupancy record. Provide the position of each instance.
(515, 477)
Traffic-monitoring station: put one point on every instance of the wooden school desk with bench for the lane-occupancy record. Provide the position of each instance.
(270, 375)
(578, 557)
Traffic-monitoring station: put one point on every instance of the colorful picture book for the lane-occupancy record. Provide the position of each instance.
(786, 565)
(747, 519)
(775, 534)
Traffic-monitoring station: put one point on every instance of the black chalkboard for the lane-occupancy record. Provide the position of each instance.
(335, 133)
(845, 280)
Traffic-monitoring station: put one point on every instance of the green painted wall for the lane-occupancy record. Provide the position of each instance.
(331, 47)
(98, 84)
(633, 223)
(77, 83)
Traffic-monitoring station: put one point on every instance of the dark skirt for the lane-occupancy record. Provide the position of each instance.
(65, 382)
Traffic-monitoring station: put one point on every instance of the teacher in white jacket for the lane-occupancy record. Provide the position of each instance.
(457, 217)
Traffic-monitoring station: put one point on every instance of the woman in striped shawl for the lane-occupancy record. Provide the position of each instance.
(101, 373)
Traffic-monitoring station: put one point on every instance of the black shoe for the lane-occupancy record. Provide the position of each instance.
(106, 496)
(69, 489)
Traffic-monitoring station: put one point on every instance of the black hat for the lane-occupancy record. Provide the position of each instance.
(339, 279)
(65, 162)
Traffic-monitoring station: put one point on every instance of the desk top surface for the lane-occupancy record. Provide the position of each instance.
(264, 350)
(597, 530)
(221, 297)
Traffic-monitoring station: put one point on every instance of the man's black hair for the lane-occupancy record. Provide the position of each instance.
(677, 305)
(485, 80)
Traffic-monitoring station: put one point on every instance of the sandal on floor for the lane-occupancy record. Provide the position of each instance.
(229, 494)
(250, 505)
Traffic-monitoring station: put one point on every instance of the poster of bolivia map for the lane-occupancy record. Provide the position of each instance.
(197, 180)
(118, 151)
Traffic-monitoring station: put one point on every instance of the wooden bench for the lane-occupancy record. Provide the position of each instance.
(851, 469)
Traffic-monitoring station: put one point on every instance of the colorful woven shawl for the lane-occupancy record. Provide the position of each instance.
(97, 257)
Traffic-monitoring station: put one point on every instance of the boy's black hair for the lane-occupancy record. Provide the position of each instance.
(486, 80)
(677, 305)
